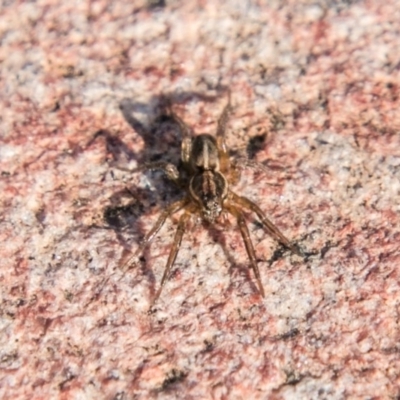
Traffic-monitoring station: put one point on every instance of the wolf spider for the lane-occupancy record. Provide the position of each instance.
(208, 175)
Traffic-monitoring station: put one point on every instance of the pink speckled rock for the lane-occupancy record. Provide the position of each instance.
(315, 89)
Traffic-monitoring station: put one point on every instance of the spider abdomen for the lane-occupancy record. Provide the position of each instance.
(204, 153)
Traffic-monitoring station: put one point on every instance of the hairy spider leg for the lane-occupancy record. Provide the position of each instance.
(244, 230)
(169, 211)
(180, 230)
(221, 131)
(268, 225)
(169, 169)
(231, 170)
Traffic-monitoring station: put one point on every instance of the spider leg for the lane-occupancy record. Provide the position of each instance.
(180, 230)
(268, 225)
(169, 169)
(244, 162)
(170, 210)
(186, 149)
(221, 130)
(244, 230)
(186, 138)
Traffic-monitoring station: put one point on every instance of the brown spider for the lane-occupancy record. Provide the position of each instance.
(209, 175)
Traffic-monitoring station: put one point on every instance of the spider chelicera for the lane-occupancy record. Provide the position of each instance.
(206, 178)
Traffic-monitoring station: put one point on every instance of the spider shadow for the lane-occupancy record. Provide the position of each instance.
(123, 213)
(115, 148)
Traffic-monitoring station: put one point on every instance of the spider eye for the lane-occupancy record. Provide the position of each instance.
(211, 209)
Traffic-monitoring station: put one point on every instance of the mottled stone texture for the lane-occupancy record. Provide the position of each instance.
(315, 88)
